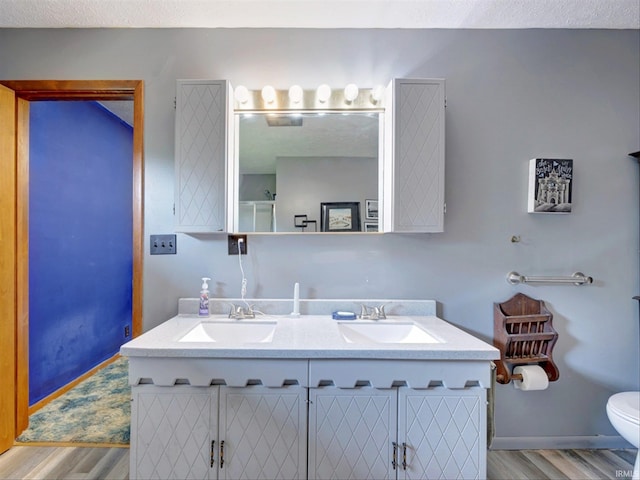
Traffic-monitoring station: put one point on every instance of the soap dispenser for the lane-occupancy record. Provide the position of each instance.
(204, 298)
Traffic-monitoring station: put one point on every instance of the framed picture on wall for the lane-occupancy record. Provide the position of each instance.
(371, 209)
(550, 185)
(370, 226)
(340, 216)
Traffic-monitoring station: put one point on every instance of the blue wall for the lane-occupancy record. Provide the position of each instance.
(80, 234)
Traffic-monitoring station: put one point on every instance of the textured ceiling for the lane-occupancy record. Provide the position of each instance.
(610, 14)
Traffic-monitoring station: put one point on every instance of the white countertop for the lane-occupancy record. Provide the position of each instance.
(309, 337)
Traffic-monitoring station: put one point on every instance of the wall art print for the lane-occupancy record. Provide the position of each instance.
(550, 185)
(340, 216)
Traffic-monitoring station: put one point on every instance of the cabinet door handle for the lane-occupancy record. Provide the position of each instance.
(404, 456)
(213, 442)
(221, 453)
(394, 460)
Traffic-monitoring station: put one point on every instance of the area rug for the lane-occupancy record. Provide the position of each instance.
(97, 410)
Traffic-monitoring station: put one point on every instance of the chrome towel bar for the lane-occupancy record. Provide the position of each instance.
(578, 278)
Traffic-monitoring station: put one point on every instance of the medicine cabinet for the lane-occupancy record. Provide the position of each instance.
(339, 166)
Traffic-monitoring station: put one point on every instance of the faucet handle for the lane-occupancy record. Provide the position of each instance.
(367, 312)
(372, 313)
(240, 312)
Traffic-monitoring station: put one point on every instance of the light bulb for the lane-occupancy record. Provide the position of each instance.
(377, 93)
(351, 92)
(323, 93)
(268, 94)
(241, 94)
(295, 93)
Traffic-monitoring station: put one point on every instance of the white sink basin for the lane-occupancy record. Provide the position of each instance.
(233, 331)
(384, 332)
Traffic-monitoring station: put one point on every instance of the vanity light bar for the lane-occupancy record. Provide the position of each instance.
(296, 98)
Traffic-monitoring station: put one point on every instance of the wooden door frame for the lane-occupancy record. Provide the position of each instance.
(25, 92)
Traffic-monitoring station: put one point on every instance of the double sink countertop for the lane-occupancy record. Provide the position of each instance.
(408, 337)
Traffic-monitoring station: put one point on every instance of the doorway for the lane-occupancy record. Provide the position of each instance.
(15, 98)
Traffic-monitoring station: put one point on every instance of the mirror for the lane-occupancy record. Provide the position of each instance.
(308, 172)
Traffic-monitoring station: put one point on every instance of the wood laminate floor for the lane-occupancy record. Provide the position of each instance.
(560, 464)
(77, 463)
(88, 463)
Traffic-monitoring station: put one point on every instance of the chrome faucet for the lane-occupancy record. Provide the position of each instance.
(239, 312)
(372, 313)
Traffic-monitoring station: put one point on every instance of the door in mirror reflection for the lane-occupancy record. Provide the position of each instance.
(291, 164)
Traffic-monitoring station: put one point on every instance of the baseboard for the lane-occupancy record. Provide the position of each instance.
(559, 443)
(70, 444)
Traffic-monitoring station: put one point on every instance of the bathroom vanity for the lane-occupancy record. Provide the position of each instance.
(283, 397)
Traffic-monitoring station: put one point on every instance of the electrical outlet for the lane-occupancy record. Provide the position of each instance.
(127, 331)
(233, 244)
(163, 244)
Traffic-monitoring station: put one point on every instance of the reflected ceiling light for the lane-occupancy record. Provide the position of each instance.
(241, 94)
(351, 92)
(323, 93)
(268, 94)
(295, 93)
(377, 93)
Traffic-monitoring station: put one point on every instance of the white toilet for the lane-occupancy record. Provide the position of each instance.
(623, 410)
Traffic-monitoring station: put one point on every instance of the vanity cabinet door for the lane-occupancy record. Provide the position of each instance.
(264, 431)
(418, 155)
(442, 433)
(351, 433)
(171, 432)
(200, 155)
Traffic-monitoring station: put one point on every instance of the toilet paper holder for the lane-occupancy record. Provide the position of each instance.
(523, 332)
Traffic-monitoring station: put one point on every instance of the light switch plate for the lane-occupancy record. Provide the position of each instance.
(163, 244)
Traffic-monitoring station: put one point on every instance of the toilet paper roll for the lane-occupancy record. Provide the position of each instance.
(533, 378)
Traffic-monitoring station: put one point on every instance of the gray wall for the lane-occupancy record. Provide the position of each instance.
(253, 186)
(512, 96)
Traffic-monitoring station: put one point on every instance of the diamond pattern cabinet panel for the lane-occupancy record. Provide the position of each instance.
(171, 432)
(264, 432)
(418, 155)
(444, 432)
(351, 433)
(200, 156)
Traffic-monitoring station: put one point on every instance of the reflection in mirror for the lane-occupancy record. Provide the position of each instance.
(292, 163)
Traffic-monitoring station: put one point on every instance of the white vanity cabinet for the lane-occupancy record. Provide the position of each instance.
(415, 159)
(307, 403)
(218, 432)
(202, 109)
(396, 433)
